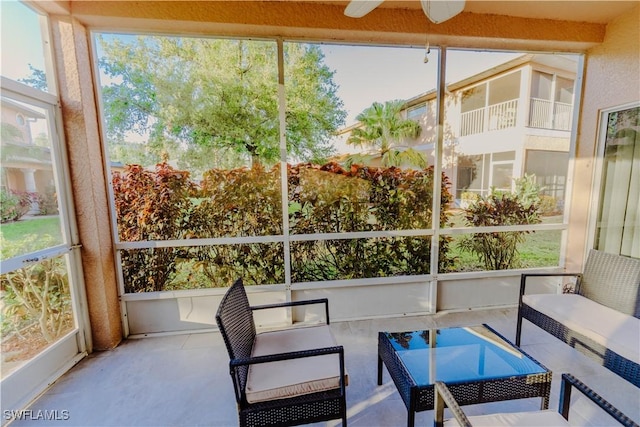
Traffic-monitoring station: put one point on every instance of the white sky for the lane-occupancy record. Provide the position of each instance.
(366, 74)
(21, 40)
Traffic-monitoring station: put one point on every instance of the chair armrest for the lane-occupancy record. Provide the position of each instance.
(443, 398)
(288, 356)
(569, 380)
(324, 301)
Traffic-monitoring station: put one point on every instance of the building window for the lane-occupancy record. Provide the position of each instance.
(417, 111)
(550, 170)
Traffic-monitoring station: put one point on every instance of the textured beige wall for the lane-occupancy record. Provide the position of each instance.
(612, 78)
(88, 179)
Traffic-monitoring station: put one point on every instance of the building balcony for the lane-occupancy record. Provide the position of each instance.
(546, 114)
(543, 114)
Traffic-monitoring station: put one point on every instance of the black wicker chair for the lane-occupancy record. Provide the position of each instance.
(444, 398)
(264, 393)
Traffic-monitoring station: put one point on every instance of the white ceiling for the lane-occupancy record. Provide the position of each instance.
(567, 10)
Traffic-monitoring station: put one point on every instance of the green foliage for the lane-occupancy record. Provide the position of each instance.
(547, 204)
(15, 233)
(47, 201)
(152, 206)
(9, 133)
(240, 203)
(214, 102)
(527, 190)
(247, 202)
(37, 79)
(37, 294)
(622, 122)
(13, 205)
(330, 199)
(16, 149)
(498, 250)
(469, 196)
(132, 153)
(383, 127)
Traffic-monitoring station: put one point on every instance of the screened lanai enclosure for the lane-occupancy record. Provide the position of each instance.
(147, 170)
(307, 178)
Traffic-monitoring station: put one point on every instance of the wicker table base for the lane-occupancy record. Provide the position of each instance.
(485, 385)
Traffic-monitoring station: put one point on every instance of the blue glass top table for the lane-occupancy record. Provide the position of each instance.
(477, 364)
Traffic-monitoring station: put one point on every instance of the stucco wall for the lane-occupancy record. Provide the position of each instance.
(88, 179)
(611, 79)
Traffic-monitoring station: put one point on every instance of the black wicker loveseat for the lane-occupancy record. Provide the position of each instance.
(600, 317)
(548, 417)
(282, 377)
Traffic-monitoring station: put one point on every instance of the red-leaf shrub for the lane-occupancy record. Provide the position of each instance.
(165, 205)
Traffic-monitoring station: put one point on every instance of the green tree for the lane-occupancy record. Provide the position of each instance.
(384, 128)
(36, 294)
(217, 99)
(498, 250)
(152, 205)
(37, 79)
(10, 133)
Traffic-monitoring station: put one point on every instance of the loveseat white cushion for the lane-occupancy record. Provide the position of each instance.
(608, 327)
(534, 419)
(288, 378)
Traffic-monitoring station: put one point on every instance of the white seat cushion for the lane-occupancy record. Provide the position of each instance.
(614, 330)
(288, 378)
(533, 419)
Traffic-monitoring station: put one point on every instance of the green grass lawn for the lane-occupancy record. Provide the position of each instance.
(541, 248)
(30, 234)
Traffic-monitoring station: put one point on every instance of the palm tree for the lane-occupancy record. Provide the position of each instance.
(384, 128)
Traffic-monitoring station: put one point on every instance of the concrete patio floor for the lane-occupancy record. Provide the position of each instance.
(183, 380)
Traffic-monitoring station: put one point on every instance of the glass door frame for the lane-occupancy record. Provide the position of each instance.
(597, 190)
(35, 375)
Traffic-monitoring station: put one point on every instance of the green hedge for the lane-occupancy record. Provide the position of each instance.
(165, 204)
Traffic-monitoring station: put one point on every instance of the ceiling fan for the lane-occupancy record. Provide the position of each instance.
(436, 10)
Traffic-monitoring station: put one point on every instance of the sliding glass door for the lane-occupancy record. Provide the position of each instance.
(618, 223)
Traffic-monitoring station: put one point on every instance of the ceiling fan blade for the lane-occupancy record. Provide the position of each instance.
(359, 8)
(440, 10)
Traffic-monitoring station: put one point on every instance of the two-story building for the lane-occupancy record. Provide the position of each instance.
(26, 158)
(503, 123)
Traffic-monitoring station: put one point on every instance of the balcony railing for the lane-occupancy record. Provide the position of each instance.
(493, 117)
(547, 114)
(543, 114)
